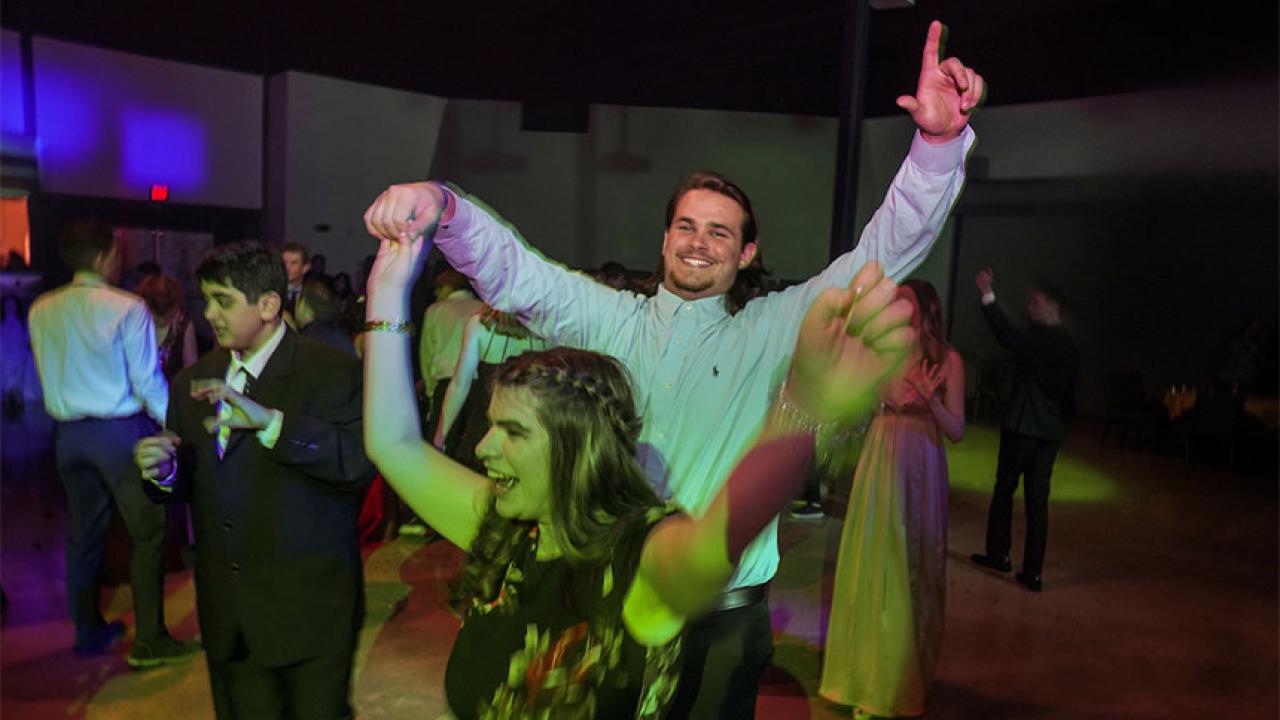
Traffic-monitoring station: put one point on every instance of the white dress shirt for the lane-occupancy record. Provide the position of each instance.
(443, 324)
(254, 364)
(95, 352)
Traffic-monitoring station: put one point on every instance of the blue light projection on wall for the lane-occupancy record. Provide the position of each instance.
(162, 146)
(13, 98)
(68, 112)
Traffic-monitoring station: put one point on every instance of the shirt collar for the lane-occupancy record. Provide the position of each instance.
(707, 308)
(255, 363)
(88, 277)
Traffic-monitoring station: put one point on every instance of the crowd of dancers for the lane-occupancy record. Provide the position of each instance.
(618, 498)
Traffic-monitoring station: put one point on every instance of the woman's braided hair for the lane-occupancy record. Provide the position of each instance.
(586, 405)
(576, 376)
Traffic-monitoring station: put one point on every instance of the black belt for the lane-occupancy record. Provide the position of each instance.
(739, 598)
(94, 418)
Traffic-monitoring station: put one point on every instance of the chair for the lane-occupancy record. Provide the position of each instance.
(1217, 418)
(1127, 406)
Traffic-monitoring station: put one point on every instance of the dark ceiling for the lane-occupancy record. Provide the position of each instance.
(773, 56)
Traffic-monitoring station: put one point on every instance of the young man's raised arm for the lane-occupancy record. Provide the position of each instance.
(903, 230)
(558, 304)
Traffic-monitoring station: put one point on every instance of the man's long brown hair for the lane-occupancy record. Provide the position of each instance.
(751, 281)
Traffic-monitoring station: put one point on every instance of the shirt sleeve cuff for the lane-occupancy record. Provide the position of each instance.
(269, 435)
(461, 220)
(944, 157)
(988, 298)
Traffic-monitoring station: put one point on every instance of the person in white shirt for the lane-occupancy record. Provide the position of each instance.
(95, 352)
(705, 356)
(490, 339)
(443, 324)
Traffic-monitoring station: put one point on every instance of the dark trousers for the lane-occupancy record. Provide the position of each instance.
(725, 654)
(315, 689)
(95, 462)
(1031, 458)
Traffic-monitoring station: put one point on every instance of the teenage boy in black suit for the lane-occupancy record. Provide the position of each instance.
(265, 439)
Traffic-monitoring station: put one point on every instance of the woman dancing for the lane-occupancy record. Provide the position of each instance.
(887, 608)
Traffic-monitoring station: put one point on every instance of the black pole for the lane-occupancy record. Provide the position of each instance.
(853, 81)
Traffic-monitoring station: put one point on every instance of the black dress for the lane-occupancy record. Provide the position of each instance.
(553, 644)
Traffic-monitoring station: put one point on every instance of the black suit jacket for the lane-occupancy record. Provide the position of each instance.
(330, 334)
(277, 551)
(1044, 382)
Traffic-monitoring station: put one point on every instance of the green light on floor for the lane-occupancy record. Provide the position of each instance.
(972, 465)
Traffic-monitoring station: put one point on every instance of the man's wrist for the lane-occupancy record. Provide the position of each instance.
(448, 201)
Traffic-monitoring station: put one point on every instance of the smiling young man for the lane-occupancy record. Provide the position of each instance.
(265, 440)
(706, 357)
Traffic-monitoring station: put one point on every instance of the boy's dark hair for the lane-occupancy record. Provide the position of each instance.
(249, 267)
(321, 298)
(80, 244)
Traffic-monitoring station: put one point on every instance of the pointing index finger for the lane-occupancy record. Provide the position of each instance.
(934, 45)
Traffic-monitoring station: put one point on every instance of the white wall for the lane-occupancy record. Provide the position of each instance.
(581, 200)
(111, 124)
(335, 145)
(587, 198)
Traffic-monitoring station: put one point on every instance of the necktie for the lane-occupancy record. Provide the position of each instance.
(239, 381)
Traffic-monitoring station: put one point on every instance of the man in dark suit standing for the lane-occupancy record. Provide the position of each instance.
(264, 436)
(1035, 422)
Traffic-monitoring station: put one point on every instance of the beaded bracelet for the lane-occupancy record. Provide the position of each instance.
(796, 414)
(396, 326)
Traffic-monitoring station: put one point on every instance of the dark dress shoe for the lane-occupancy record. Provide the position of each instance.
(999, 564)
(1030, 583)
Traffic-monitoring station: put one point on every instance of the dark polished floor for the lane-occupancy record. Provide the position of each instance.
(1160, 601)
